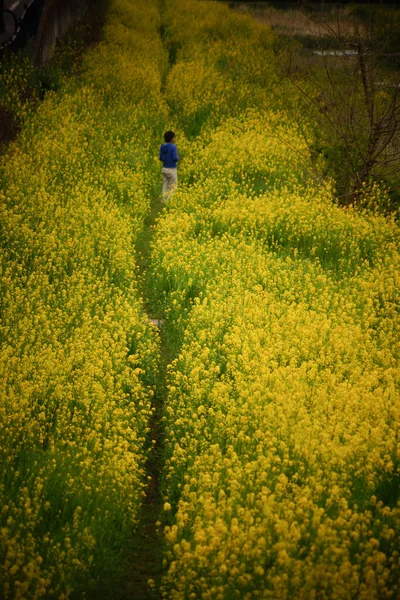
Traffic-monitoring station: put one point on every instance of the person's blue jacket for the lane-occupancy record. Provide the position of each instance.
(169, 155)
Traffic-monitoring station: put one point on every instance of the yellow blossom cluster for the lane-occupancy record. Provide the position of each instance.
(283, 413)
(283, 416)
(221, 63)
(78, 355)
(16, 76)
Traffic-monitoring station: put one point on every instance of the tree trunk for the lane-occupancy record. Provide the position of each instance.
(2, 24)
(56, 18)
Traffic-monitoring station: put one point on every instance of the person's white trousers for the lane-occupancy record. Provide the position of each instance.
(170, 181)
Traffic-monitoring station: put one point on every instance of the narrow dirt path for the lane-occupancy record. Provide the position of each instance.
(145, 562)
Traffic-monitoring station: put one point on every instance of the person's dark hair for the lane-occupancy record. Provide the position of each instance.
(169, 136)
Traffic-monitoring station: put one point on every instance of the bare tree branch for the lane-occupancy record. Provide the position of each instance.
(358, 101)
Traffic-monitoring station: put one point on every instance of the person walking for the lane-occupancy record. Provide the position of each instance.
(169, 158)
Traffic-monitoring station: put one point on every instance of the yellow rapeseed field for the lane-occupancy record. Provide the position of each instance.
(78, 356)
(281, 420)
(282, 417)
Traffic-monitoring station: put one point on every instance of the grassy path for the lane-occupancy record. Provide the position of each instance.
(145, 563)
(146, 566)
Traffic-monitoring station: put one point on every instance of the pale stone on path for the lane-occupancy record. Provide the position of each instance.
(157, 322)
